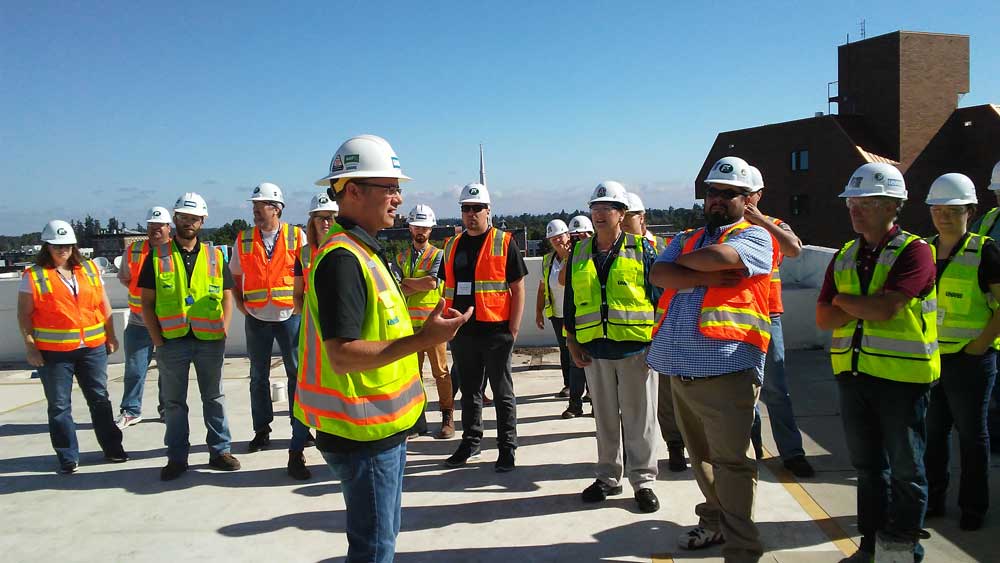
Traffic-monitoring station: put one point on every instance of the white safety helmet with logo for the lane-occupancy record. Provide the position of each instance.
(364, 156)
(422, 216)
(731, 171)
(474, 193)
(555, 228)
(610, 191)
(756, 180)
(322, 202)
(635, 204)
(266, 191)
(876, 179)
(192, 204)
(952, 189)
(995, 178)
(580, 224)
(158, 215)
(58, 232)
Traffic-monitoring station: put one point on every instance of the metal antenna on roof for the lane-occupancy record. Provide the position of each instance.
(863, 29)
(482, 166)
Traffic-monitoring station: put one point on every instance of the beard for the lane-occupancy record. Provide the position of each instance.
(717, 218)
(419, 239)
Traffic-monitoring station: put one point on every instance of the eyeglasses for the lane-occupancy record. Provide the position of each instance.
(472, 208)
(601, 208)
(389, 190)
(722, 194)
(863, 202)
(61, 246)
(324, 218)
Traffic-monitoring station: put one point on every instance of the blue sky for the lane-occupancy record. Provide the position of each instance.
(107, 108)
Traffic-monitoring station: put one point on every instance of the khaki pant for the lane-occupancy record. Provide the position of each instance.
(438, 356)
(715, 416)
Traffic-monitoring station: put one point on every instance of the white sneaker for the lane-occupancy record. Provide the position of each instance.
(698, 538)
(125, 420)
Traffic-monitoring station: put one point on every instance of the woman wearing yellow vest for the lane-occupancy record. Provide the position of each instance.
(608, 316)
(65, 319)
(968, 284)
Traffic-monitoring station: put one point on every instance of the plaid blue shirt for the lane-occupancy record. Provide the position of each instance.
(680, 349)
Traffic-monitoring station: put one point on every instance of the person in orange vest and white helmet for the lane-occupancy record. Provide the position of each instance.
(419, 263)
(187, 305)
(263, 268)
(359, 385)
(65, 319)
(774, 393)
(483, 268)
(712, 341)
(137, 344)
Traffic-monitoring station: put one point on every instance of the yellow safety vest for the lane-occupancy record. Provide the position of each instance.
(963, 309)
(988, 221)
(364, 405)
(903, 348)
(617, 309)
(182, 307)
(547, 262)
(420, 304)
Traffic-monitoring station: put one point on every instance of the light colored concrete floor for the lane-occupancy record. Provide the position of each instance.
(123, 512)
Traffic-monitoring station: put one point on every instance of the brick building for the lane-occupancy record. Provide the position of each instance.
(897, 101)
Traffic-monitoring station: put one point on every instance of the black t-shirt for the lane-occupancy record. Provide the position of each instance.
(147, 276)
(989, 266)
(342, 297)
(466, 255)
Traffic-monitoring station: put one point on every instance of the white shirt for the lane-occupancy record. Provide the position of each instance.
(555, 290)
(269, 312)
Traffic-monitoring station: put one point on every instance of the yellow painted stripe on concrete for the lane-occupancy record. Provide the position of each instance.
(663, 558)
(823, 520)
(22, 406)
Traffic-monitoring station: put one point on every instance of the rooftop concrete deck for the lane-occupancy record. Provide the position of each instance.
(124, 513)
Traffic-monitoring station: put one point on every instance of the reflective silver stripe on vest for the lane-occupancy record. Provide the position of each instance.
(381, 284)
(213, 260)
(732, 317)
(956, 333)
(839, 342)
(207, 325)
(847, 259)
(491, 286)
(41, 281)
(901, 346)
(449, 293)
(594, 317)
(165, 257)
(281, 293)
(173, 323)
(57, 336)
(969, 258)
(498, 237)
(928, 305)
(92, 332)
(629, 316)
(886, 258)
(367, 408)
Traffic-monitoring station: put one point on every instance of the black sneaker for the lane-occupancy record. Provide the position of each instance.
(599, 491)
(297, 466)
(647, 500)
(572, 412)
(260, 441)
(800, 467)
(118, 456)
(505, 462)
(462, 455)
(172, 470)
(69, 467)
(224, 462)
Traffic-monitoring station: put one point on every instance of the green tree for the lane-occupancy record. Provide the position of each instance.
(226, 234)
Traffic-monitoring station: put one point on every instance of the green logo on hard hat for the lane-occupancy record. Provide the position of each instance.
(60, 231)
(473, 191)
(726, 168)
(156, 213)
(395, 162)
(256, 190)
(322, 200)
(602, 191)
(351, 158)
(879, 176)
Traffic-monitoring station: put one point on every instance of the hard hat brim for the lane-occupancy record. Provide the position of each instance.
(617, 202)
(167, 222)
(325, 181)
(952, 201)
(421, 224)
(733, 183)
(189, 211)
(994, 187)
(851, 192)
(61, 240)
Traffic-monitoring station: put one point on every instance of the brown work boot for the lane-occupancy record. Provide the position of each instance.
(447, 425)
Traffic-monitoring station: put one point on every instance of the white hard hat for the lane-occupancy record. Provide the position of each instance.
(876, 178)
(58, 232)
(322, 202)
(158, 215)
(422, 216)
(952, 189)
(756, 180)
(995, 178)
(192, 204)
(611, 192)
(730, 171)
(474, 193)
(364, 156)
(555, 228)
(580, 224)
(266, 191)
(635, 203)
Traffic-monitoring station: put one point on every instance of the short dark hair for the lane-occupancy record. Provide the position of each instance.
(44, 257)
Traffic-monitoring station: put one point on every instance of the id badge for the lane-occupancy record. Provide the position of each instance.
(464, 288)
(189, 300)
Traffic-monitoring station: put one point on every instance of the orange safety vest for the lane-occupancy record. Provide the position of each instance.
(729, 313)
(269, 279)
(135, 257)
(490, 288)
(774, 304)
(62, 320)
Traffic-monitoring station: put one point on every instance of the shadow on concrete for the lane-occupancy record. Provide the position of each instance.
(18, 429)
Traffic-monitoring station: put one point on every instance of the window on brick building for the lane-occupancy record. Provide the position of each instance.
(800, 160)
(799, 205)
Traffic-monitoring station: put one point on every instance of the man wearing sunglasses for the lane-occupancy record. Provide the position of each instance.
(712, 342)
(483, 268)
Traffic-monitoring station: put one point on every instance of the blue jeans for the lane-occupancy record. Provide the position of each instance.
(260, 340)
(885, 426)
(373, 493)
(961, 398)
(774, 394)
(91, 368)
(138, 354)
(174, 360)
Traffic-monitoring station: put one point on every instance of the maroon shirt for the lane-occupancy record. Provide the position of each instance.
(913, 274)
